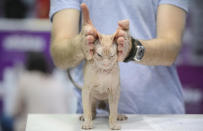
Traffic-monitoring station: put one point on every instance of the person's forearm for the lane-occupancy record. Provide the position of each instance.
(160, 51)
(66, 53)
(164, 49)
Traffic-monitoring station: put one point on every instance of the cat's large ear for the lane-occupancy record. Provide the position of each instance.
(122, 33)
(90, 33)
(85, 14)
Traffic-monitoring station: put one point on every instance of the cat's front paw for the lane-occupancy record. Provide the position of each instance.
(115, 126)
(87, 125)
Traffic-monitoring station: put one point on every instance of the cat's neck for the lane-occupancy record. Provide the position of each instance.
(98, 69)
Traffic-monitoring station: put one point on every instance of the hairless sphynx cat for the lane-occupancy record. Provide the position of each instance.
(101, 71)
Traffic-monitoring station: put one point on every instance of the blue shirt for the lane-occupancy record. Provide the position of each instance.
(144, 89)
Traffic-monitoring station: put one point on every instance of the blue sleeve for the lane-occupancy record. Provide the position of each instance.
(183, 4)
(57, 5)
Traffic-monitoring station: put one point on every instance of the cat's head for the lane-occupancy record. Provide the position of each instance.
(105, 52)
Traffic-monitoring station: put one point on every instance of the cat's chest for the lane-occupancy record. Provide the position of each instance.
(100, 88)
(101, 81)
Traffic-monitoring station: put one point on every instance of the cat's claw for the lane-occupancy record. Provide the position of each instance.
(81, 118)
(122, 117)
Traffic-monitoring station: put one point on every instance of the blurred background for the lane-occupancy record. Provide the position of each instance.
(25, 38)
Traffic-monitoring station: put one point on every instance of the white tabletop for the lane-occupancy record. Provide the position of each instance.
(41, 122)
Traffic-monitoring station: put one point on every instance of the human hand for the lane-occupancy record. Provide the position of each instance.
(123, 39)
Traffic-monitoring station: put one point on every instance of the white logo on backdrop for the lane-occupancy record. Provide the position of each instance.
(24, 43)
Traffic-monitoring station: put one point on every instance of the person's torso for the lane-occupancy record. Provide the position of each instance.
(144, 89)
(105, 15)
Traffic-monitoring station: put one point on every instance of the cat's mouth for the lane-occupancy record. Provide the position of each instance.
(106, 66)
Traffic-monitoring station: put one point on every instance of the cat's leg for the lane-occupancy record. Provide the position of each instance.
(120, 117)
(113, 108)
(86, 101)
(94, 105)
(81, 118)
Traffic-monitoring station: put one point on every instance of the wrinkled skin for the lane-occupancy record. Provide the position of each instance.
(101, 71)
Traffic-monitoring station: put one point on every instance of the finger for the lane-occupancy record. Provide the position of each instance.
(120, 40)
(92, 32)
(124, 24)
(120, 55)
(120, 52)
(121, 33)
(85, 14)
(90, 38)
(120, 47)
(120, 59)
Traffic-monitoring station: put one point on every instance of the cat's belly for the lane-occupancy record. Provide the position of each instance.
(100, 92)
(102, 85)
(100, 96)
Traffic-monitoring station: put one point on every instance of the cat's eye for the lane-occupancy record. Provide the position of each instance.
(99, 55)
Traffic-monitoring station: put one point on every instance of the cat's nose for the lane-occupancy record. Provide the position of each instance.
(105, 64)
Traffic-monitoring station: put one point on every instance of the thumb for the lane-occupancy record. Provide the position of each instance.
(124, 24)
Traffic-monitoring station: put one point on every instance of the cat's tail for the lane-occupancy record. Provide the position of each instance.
(72, 81)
